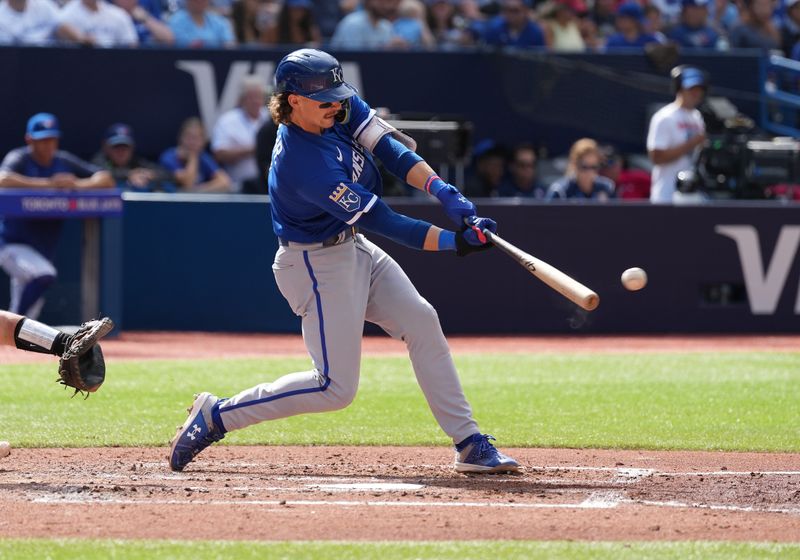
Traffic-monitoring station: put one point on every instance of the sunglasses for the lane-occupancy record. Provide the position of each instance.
(589, 167)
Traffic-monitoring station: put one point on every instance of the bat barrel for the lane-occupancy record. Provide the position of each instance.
(550, 275)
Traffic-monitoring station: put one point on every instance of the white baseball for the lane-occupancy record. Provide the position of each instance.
(5, 449)
(634, 279)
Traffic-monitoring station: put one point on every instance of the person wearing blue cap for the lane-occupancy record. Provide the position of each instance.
(693, 30)
(630, 31)
(676, 132)
(28, 246)
(324, 185)
(130, 171)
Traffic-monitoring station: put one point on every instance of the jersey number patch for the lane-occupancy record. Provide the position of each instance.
(346, 198)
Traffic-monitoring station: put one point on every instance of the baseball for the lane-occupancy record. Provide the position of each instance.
(634, 279)
(5, 449)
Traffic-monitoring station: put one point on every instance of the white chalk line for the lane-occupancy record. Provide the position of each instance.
(689, 505)
(607, 500)
(342, 503)
(604, 499)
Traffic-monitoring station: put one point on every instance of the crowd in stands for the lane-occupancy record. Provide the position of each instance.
(558, 25)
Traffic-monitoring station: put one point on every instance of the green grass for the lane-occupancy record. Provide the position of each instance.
(507, 550)
(733, 401)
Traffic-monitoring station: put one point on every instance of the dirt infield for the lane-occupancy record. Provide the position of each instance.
(387, 493)
(375, 493)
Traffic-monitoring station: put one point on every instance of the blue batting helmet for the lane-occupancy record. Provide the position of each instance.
(314, 74)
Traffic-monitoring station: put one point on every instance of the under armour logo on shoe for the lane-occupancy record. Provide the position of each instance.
(195, 430)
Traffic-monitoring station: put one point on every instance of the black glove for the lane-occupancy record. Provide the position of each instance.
(464, 247)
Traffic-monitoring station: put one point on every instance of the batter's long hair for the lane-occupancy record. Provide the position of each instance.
(279, 108)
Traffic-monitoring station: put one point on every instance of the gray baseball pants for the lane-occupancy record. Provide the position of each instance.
(335, 289)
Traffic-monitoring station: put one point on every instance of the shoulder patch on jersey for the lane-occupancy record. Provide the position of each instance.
(346, 198)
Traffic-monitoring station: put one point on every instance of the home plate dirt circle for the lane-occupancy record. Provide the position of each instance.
(387, 493)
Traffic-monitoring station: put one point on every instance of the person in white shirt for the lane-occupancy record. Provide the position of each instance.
(101, 24)
(676, 132)
(233, 140)
(33, 22)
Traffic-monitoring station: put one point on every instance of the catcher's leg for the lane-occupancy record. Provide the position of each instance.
(31, 276)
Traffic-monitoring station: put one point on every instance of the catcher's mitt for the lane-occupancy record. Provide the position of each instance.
(82, 366)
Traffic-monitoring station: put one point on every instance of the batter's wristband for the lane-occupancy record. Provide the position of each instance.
(434, 184)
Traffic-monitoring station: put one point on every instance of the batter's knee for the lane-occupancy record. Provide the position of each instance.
(339, 395)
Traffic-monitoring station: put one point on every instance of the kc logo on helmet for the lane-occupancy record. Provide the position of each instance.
(337, 75)
(346, 198)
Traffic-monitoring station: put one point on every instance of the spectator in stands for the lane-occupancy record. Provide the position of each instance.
(513, 27)
(630, 32)
(150, 30)
(790, 27)
(265, 142)
(583, 180)
(295, 25)
(448, 27)
(630, 183)
(604, 14)
(670, 10)
(99, 23)
(411, 26)
(653, 23)
(522, 179)
(194, 169)
(487, 171)
(33, 22)
(756, 29)
(723, 15)
(561, 26)
(251, 20)
(676, 132)
(328, 13)
(130, 171)
(233, 140)
(28, 246)
(368, 28)
(197, 26)
(693, 30)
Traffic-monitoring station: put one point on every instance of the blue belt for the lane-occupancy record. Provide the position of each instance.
(340, 237)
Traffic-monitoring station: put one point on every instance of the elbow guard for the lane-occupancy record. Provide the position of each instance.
(375, 128)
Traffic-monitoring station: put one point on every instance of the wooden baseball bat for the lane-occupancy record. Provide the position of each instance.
(550, 275)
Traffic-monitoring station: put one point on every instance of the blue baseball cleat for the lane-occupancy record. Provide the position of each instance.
(476, 454)
(197, 433)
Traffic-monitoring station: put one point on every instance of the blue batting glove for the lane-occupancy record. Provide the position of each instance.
(474, 233)
(456, 205)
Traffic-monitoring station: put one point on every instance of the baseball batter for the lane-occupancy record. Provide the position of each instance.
(325, 190)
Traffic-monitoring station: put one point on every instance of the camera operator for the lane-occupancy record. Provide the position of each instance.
(676, 132)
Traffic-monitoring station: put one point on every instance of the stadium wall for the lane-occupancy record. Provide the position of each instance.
(203, 265)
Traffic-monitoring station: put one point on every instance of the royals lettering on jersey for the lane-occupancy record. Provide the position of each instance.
(358, 162)
(320, 183)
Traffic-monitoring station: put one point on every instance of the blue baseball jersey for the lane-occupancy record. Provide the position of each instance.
(321, 183)
(41, 234)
